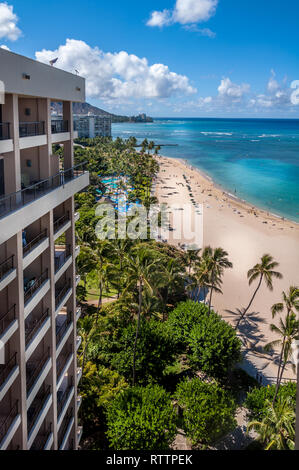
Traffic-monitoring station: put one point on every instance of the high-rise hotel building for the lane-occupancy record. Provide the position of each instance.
(38, 311)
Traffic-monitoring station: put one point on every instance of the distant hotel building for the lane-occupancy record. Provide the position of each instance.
(90, 126)
(38, 310)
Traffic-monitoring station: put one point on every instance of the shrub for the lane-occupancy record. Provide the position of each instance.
(141, 419)
(256, 400)
(183, 319)
(98, 388)
(156, 349)
(208, 411)
(214, 347)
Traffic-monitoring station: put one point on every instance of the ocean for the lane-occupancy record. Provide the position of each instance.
(255, 159)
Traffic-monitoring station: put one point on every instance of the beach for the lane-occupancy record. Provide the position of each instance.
(246, 233)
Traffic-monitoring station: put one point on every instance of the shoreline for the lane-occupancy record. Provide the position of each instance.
(246, 205)
(246, 233)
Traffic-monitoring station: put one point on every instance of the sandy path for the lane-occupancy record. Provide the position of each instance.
(246, 233)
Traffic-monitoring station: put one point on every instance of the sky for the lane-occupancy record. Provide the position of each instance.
(174, 58)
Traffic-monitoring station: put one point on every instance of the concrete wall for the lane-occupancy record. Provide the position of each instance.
(45, 81)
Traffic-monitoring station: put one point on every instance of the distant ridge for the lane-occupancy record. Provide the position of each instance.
(85, 108)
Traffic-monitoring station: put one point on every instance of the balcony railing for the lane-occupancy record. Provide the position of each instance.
(30, 291)
(31, 129)
(6, 266)
(33, 327)
(15, 201)
(8, 420)
(37, 406)
(31, 245)
(65, 425)
(6, 369)
(62, 329)
(42, 438)
(63, 256)
(7, 319)
(34, 368)
(63, 360)
(62, 399)
(4, 130)
(58, 126)
(61, 221)
(60, 294)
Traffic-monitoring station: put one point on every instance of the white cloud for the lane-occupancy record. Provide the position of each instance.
(202, 31)
(194, 11)
(184, 12)
(3, 46)
(229, 90)
(160, 18)
(117, 75)
(8, 23)
(277, 95)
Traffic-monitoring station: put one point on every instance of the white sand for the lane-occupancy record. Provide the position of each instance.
(241, 230)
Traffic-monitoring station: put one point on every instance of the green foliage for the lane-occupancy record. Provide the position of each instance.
(141, 419)
(183, 319)
(212, 344)
(156, 349)
(98, 388)
(208, 411)
(256, 399)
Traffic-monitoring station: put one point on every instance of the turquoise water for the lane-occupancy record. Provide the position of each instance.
(256, 159)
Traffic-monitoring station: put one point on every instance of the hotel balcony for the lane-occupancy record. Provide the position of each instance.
(44, 439)
(35, 248)
(7, 272)
(34, 291)
(77, 251)
(9, 423)
(78, 342)
(64, 397)
(35, 201)
(64, 327)
(78, 313)
(35, 330)
(65, 430)
(8, 324)
(36, 373)
(37, 412)
(62, 294)
(79, 375)
(6, 143)
(8, 374)
(63, 260)
(61, 224)
(79, 402)
(60, 131)
(32, 134)
(62, 365)
(79, 434)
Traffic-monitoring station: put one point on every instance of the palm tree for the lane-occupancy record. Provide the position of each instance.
(190, 258)
(215, 261)
(141, 265)
(276, 430)
(262, 271)
(88, 331)
(157, 149)
(170, 277)
(201, 278)
(290, 301)
(287, 331)
(120, 248)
